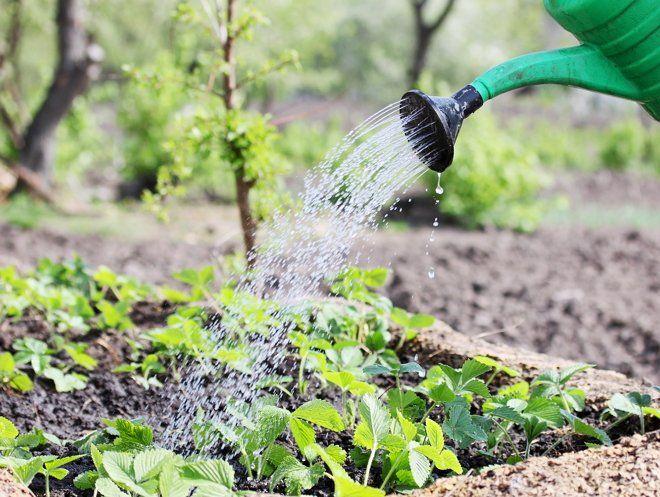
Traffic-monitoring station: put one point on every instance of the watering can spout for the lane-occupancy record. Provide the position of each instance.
(619, 55)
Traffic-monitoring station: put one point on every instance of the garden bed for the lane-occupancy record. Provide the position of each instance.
(69, 415)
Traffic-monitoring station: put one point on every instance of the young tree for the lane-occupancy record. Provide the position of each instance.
(32, 138)
(222, 130)
(425, 30)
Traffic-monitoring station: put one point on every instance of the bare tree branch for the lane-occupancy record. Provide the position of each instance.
(424, 32)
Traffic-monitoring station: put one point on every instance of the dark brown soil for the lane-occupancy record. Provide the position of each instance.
(108, 395)
(587, 294)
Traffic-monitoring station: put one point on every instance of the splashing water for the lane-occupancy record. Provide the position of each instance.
(300, 250)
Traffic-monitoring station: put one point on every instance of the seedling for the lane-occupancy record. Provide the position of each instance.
(553, 385)
(621, 407)
(34, 352)
(11, 376)
(497, 367)
(410, 324)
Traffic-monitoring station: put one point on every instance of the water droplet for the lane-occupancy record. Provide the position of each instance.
(431, 273)
(439, 189)
(435, 223)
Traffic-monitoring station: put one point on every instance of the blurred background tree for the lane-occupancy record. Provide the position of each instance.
(162, 119)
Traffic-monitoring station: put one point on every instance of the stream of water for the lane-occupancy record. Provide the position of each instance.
(300, 250)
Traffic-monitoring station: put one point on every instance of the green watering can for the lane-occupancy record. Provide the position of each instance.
(619, 55)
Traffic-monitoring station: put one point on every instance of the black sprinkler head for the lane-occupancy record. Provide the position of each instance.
(431, 124)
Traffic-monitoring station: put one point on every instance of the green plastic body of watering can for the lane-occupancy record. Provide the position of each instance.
(619, 53)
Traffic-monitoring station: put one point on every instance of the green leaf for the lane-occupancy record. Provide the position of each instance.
(342, 379)
(567, 373)
(7, 363)
(321, 413)
(408, 428)
(336, 453)
(459, 425)
(171, 483)
(22, 383)
(131, 436)
(421, 321)
(441, 394)
(442, 459)
(296, 476)
(107, 488)
(26, 471)
(632, 403)
(471, 369)
(212, 471)
(434, 434)
(270, 423)
(508, 414)
(420, 467)
(86, 480)
(377, 369)
(345, 487)
(375, 417)
(119, 466)
(148, 463)
(409, 403)
(583, 428)
(59, 462)
(546, 410)
(66, 382)
(302, 432)
(7, 428)
(412, 367)
(80, 357)
(496, 365)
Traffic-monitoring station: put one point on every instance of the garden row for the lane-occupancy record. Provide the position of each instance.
(357, 409)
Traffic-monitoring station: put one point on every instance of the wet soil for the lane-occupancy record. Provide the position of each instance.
(109, 395)
(584, 293)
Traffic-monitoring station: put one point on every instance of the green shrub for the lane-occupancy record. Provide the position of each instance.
(495, 179)
(148, 107)
(304, 144)
(623, 145)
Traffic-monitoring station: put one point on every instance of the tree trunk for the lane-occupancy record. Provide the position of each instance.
(248, 223)
(423, 38)
(424, 32)
(243, 187)
(78, 64)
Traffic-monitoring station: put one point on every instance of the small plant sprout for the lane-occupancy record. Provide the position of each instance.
(553, 385)
(621, 407)
(497, 368)
(347, 383)
(33, 352)
(11, 376)
(410, 324)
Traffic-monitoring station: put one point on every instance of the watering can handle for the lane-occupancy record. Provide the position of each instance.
(582, 66)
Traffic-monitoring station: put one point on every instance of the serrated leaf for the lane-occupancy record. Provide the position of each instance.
(441, 394)
(119, 466)
(302, 432)
(477, 387)
(345, 487)
(442, 459)
(337, 453)
(412, 367)
(434, 434)
(270, 423)
(148, 463)
(407, 402)
(375, 417)
(546, 410)
(342, 379)
(86, 480)
(321, 413)
(7, 428)
(171, 483)
(459, 426)
(420, 467)
(408, 428)
(583, 428)
(296, 476)
(214, 471)
(508, 414)
(471, 369)
(107, 488)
